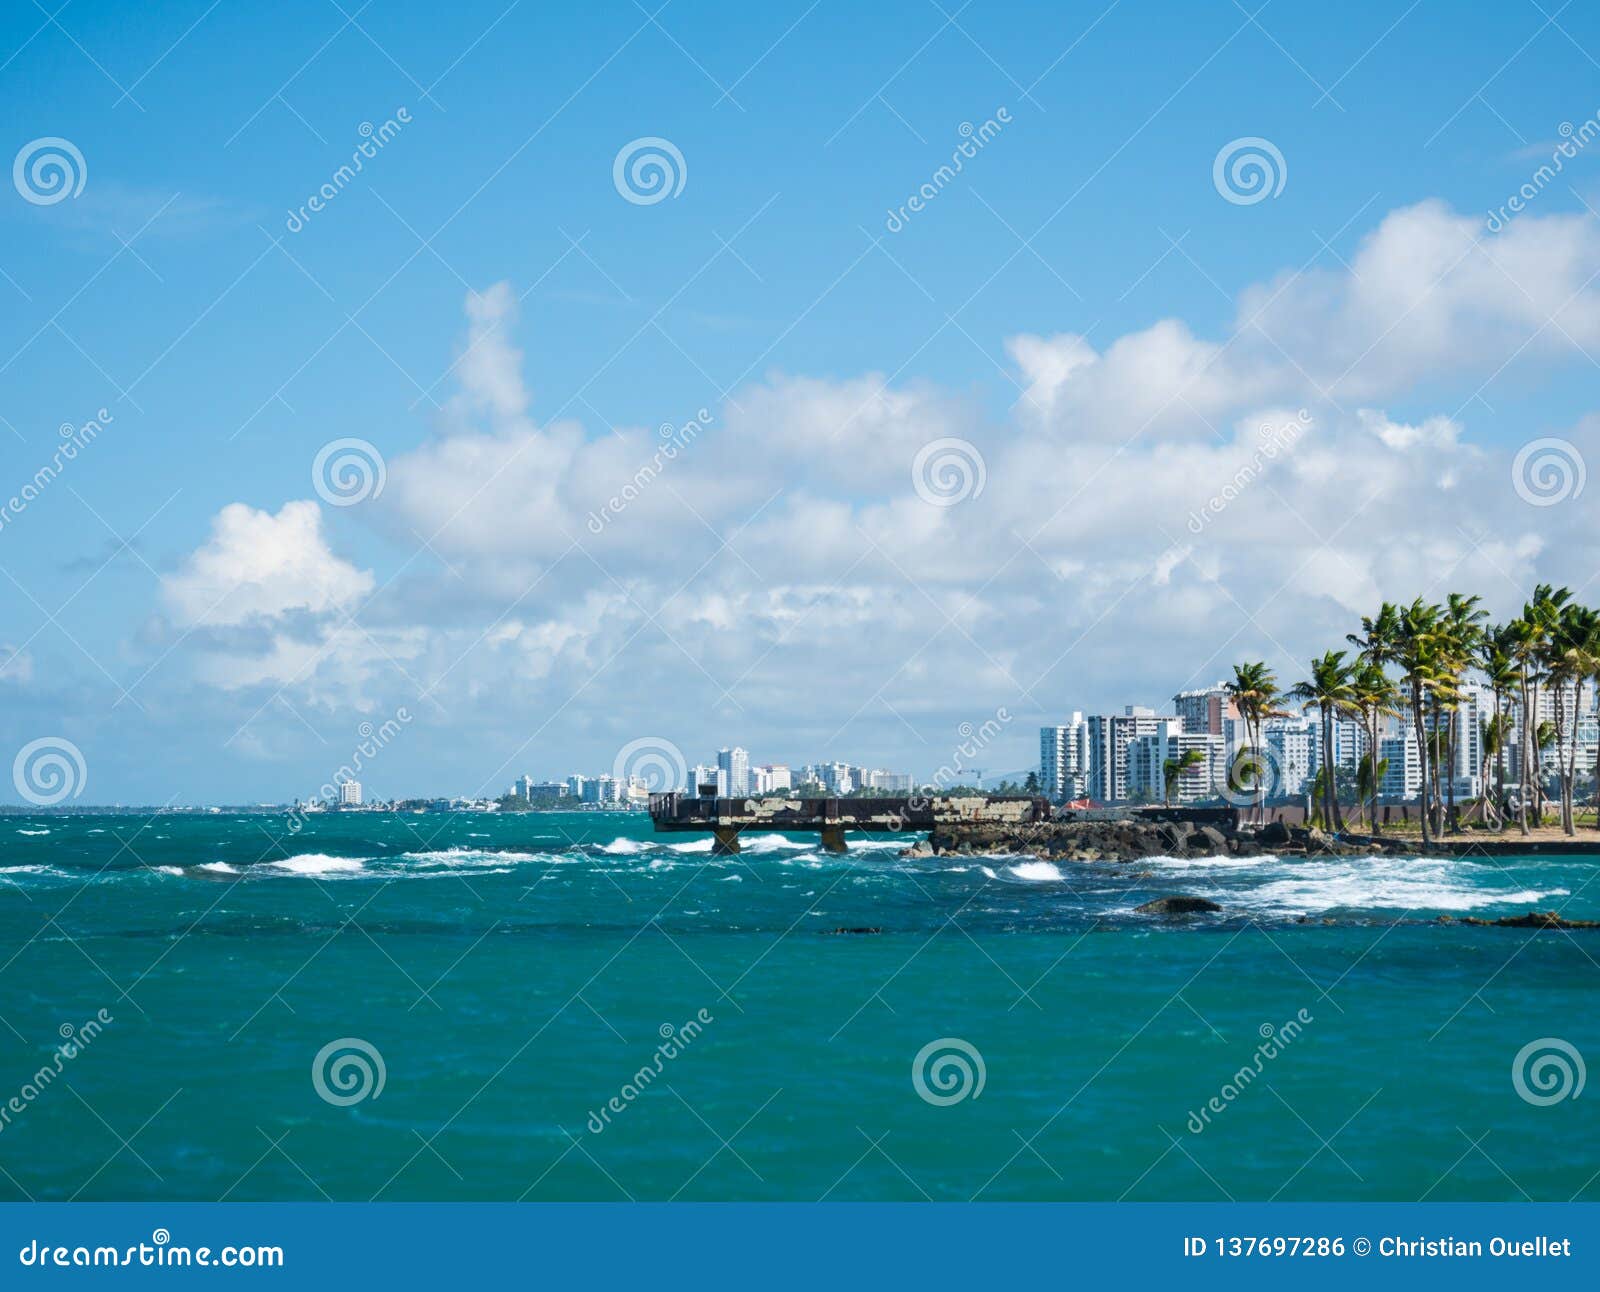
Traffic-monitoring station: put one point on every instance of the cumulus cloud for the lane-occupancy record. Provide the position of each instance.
(259, 566)
(1154, 508)
(16, 665)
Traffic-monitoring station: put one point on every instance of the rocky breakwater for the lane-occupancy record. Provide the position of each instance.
(1131, 839)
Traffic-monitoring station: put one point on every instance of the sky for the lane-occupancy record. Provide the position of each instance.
(841, 381)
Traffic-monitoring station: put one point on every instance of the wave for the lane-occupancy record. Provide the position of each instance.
(218, 868)
(694, 845)
(1036, 872)
(623, 847)
(318, 863)
(33, 832)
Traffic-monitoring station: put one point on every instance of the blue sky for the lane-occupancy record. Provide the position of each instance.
(771, 591)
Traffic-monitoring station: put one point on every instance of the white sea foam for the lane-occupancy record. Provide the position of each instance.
(317, 863)
(33, 832)
(623, 847)
(169, 870)
(1377, 883)
(219, 868)
(1037, 872)
(694, 845)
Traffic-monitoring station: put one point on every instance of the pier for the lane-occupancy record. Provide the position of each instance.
(727, 818)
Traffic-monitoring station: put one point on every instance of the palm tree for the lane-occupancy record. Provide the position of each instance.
(1373, 696)
(1254, 690)
(1173, 769)
(1329, 692)
(1497, 659)
(1463, 632)
(1419, 655)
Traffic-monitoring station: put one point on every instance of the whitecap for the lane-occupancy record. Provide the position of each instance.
(1036, 872)
(218, 868)
(33, 832)
(317, 863)
(623, 847)
(694, 845)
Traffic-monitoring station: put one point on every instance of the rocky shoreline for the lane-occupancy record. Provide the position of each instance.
(1132, 840)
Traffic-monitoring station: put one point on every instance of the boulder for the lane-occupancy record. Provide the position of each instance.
(1273, 835)
(1182, 904)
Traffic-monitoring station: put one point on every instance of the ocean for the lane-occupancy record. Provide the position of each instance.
(566, 1006)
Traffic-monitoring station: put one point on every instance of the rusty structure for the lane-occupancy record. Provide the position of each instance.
(727, 818)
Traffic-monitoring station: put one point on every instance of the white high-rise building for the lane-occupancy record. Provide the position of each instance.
(349, 793)
(1289, 750)
(1149, 754)
(838, 778)
(1211, 710)
(1064, 758)
(575, 784)
(1402, 778)
(1109, 737)
(701, 774)
(733, 772)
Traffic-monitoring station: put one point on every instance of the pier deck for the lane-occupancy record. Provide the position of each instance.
(727, 818)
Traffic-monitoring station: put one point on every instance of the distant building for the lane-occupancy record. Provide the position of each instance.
(1149, 754)
(1109, 737)
(575, 786)
(888, 782)
(350, 794)
(1064, 758)
(770, 778)
(1288, 743)
(733, 772)
(704, 775)
(1209, 710)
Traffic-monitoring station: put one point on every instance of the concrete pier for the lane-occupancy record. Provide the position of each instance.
(725, 819)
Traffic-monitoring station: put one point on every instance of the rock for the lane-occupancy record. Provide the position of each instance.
(1534, 920)
(1273, 835)
(831, 932)
(1183, 904)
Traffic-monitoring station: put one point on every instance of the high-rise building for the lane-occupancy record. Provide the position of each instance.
(889, 782)
(1109, 737)
(1148, 755)
(349, 793)
(1211, 710)
(575, 785)
(1064, 758)
(770, 778)
(838, 778)
(733, 772)
(1288, 743)
(701, 774)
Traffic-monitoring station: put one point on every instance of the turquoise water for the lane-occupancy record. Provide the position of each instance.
(514, 974)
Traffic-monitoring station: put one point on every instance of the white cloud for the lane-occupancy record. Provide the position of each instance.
(258, 566)
(16, 665)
